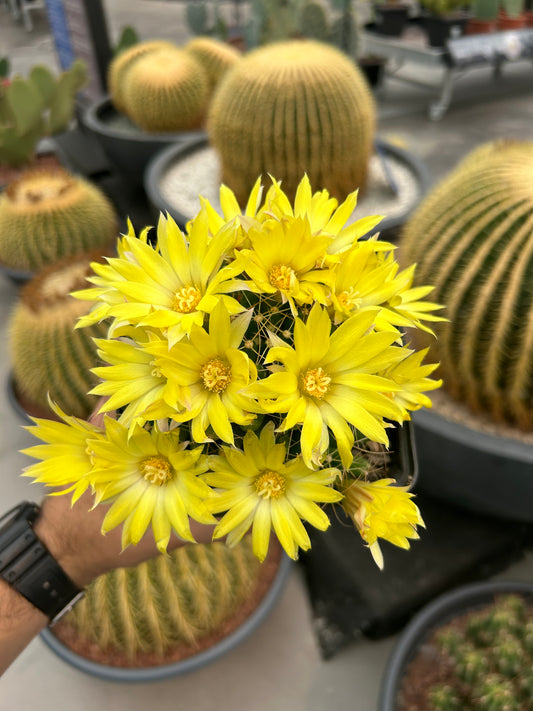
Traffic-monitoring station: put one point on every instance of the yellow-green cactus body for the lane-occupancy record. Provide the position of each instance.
(290, 108)
(215, 56)
(48, 355)
(172, 600)
(473, 238)
(120, 66)
(167, 90)
(46, 215)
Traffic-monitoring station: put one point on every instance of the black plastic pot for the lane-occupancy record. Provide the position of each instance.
(197, 661)
(440, 29)
(127, 147)
(482, 472)
(171, 155)
(391, 19)
(438, 613)
(373, 68)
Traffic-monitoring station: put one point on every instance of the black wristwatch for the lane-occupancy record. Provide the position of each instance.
(26, 564)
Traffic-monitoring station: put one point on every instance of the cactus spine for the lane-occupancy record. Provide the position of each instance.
(123, 62)
(48, 355)
(490, 662)
(170, 601)
(49, 214)
(166, 90)
(291, 108)
(216, 57)
(473, 238)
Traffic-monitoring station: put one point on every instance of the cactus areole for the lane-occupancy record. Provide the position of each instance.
(292, 108)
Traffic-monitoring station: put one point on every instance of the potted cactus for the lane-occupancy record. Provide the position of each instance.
(390, 17)
(472, 238)
(159, 94)
(443, 20)
(484, 17)
(469, 650)
(31, 109)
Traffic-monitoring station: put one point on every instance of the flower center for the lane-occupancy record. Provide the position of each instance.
(349, 299)
(216, 375)
(316, 382)
(156, 470)
(270, 485)
(281, 276)
(156, 372)
(186, 299)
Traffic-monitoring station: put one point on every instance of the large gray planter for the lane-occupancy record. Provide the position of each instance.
(479, 471)
(190, 664)
(127, 147)
(438, 613)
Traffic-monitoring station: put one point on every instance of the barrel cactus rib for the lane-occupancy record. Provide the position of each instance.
(289, 108)
(473, 239)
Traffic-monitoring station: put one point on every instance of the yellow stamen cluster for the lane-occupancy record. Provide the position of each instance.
(216, 375)
(156, 470)
(270, 485)
(316, 382)
(349, 298)
(281, 276)
(187, 299)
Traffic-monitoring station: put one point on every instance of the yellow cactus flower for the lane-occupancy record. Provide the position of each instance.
(65, 455)
(381, 510)
(172, 286)
(259, 489)
(232, 216)
(151, 479)
(331, 380)
(212, 371)
(412, 377)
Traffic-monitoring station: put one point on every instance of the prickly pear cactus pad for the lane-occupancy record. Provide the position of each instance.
(292, 108)
(472, 238)
(48, 356)
(215, 56)
(49, 214)
(167, 90)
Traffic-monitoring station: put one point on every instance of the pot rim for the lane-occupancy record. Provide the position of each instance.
(437, 613)
(190, 664)
(492, 444)
(163, 158)
(91, 118)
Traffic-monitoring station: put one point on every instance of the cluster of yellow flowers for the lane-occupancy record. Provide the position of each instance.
(244, 359)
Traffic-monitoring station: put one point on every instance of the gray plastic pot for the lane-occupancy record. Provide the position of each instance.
(482, 472)
(127, 147)
(165, 671)
(161, 162)
(438, 613)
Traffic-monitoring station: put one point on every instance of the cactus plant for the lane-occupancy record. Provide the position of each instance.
(215, 56)
(170, 604)
(38, 106)
(290, 108)
(123, 62)
(313, 22)
(48, 355)
(47, 214)
(487, 672)
(166, 90)
(472, 238)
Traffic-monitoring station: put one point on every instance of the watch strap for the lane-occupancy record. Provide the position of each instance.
(27, 565)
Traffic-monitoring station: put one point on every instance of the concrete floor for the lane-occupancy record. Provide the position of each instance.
(279, 667)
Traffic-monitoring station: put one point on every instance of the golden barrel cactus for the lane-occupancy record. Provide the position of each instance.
(122, 63)
(169, 607)
(473, 238)
(166, 91)
(48, 355)
(292, 108)
(215, 56)
(48, 214)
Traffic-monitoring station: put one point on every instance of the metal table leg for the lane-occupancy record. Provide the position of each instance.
(438, 108)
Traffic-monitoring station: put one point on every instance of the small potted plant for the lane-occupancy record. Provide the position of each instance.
(443, 19)
(390, 17)
(32, 109)
(511, 15)
(484, 17)
(244, 360)
(469, 650)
